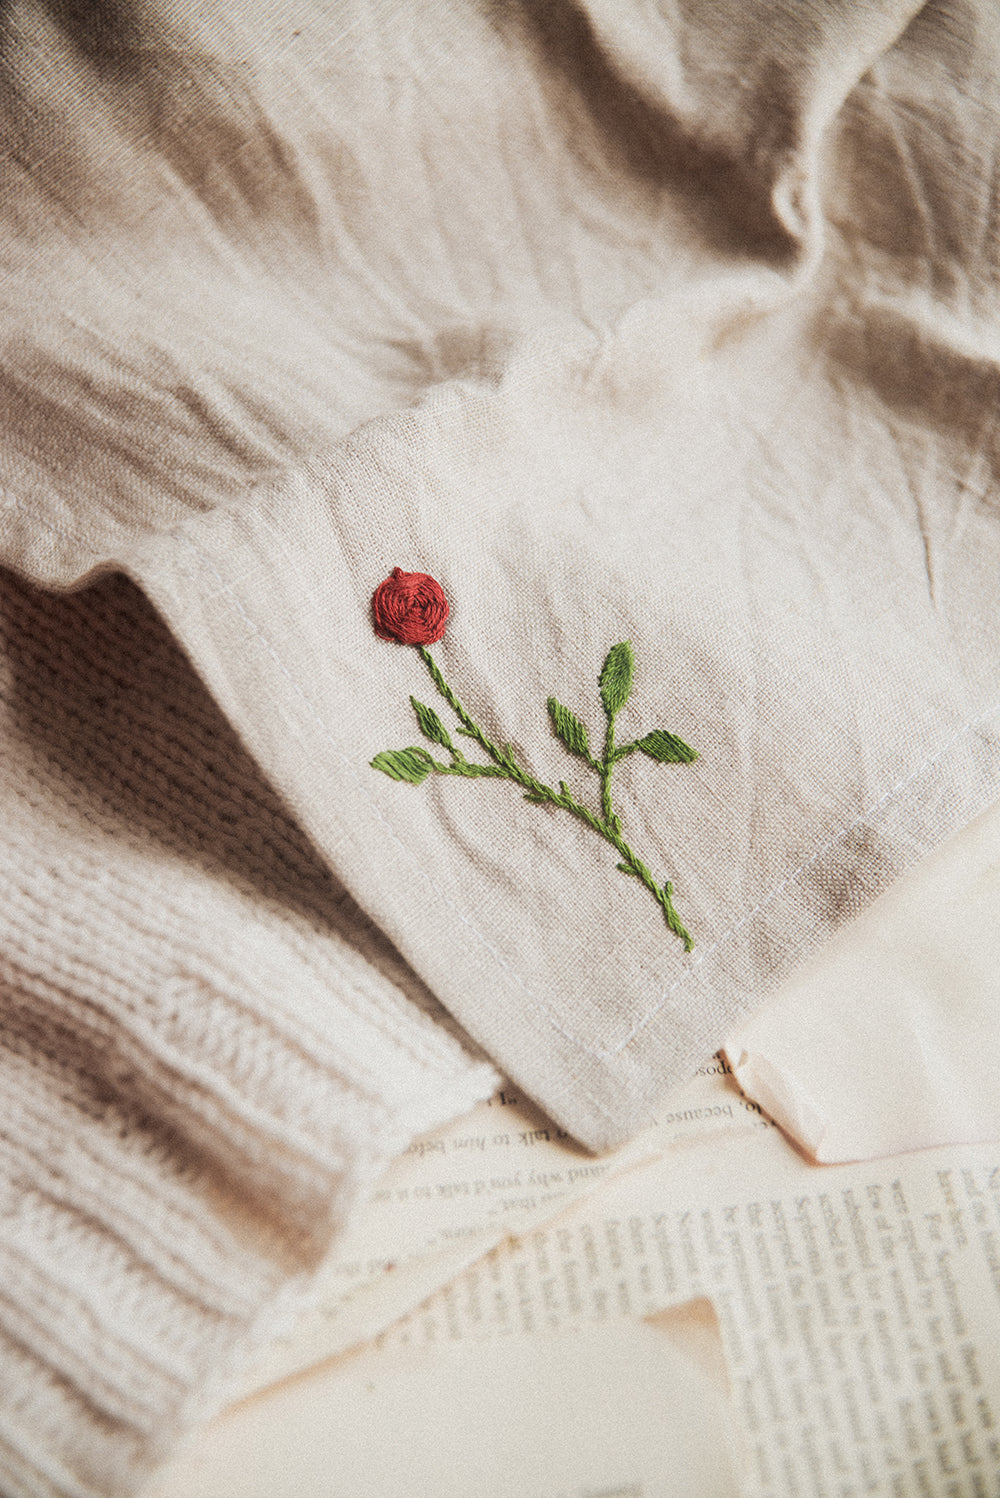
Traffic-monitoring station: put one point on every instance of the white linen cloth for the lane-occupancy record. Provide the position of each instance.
(671, 324)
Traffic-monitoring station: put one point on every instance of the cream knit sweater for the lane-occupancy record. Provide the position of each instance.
(205, 1050)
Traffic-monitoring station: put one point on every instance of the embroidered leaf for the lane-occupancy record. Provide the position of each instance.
(616, 677)
(413, 765)
(569, 728)
(430, 724)
(667, 748)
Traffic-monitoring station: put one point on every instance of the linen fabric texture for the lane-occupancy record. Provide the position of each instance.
(676, 324)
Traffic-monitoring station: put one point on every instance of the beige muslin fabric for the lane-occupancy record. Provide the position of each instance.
(676, 324)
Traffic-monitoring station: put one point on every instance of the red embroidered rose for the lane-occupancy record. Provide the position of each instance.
(410, 607)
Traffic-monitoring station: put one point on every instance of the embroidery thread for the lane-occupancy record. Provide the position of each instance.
(411, 608)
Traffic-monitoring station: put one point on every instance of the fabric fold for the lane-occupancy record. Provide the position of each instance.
(515, 917)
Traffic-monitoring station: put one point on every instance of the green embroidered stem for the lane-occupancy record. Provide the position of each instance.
(472, 729)
(616, 681)
(606, 768)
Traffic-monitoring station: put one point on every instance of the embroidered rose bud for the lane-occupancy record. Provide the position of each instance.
(410, 607)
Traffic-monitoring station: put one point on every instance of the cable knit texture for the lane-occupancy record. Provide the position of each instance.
(205, 1049)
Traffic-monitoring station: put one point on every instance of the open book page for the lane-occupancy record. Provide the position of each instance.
(858, 1305)
(501, 1169)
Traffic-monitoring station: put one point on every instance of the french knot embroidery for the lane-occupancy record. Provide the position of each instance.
(411, 608)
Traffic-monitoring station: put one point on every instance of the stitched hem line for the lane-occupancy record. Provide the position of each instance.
(865, 817)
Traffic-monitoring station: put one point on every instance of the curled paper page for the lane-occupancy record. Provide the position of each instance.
(889, 1040)
(502, 1169)
(625, 1410)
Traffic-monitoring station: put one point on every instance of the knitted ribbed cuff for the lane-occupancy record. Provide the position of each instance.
(197, 1087)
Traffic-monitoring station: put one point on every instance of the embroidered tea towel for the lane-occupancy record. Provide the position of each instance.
(672, 327)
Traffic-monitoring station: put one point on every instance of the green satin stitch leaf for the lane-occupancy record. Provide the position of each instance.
(616, 677)
(412, 765)
(667, 748)
(569, 728)
(430, 724)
